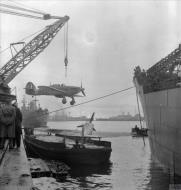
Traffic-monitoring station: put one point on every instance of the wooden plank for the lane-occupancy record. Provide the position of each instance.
(38, 168)
(37, 164)
(15, 171)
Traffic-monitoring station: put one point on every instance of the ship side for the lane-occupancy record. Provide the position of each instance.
(159, 92)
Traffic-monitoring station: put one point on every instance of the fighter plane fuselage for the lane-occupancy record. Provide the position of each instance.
(57, 90)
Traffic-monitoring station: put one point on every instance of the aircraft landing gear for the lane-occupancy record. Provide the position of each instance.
(72, 102)
(64, 101)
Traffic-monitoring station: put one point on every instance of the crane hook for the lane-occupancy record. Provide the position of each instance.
(66, 63)
(66, 48)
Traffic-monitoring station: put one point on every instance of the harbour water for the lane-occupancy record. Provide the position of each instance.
(131, 167)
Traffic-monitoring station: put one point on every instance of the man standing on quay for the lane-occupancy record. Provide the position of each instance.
(7, 123)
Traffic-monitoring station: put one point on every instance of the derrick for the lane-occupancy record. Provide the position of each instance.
(30, 50)
(165, 74)
(167, 64)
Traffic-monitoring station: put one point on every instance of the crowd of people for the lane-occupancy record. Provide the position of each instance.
(10, 124)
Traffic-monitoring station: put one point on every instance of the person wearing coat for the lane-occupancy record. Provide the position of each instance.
(7, 124)
(18, 130)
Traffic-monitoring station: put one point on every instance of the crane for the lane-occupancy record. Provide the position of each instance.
(167, 64)
(30, 50)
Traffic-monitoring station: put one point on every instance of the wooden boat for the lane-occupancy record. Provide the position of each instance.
(69, 149)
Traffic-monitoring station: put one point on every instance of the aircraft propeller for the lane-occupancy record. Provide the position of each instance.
(90, 121)
(82, 89)
(92, 117)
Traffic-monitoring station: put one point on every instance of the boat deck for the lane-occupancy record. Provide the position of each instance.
(68, 142)
(49, 138)
(14, 170)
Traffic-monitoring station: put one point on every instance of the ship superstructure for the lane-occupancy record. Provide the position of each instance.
(159, 90)
(34, 116)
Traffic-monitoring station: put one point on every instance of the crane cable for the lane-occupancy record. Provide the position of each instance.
(20, 14)
(23, 39)
(86, 102)
(21, 9)
(139, 114)
(66, 47)
(30, 8)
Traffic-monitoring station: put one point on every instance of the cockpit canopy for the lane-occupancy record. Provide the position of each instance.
(58, 85)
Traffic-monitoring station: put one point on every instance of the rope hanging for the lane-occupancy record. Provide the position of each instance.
(138, 109)
(21, 9)
(27, 7)
(66, 47)
(139, 114)
(23, 39)
(19, 14)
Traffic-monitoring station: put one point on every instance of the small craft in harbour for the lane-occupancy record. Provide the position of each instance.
(72, 149)
(139, 132)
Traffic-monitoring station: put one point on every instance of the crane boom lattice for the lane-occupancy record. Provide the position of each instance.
(168, 63)
(30, 51)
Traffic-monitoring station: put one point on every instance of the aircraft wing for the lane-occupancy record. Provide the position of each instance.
(76, 95)
(51, 88)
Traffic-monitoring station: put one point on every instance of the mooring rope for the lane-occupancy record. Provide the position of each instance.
(86, 102)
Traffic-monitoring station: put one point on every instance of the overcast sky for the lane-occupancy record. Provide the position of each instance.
(107, 39)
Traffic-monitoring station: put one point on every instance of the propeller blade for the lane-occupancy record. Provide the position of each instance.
(92, 118)
(80, 126)
(82, 90)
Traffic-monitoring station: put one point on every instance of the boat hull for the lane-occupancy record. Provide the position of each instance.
(162, 112)
(71, 156)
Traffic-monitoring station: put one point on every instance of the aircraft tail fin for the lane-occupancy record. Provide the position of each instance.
(30, 88)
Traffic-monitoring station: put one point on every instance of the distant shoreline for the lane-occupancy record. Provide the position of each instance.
(102, 134)
(88, 120)
(127, 117)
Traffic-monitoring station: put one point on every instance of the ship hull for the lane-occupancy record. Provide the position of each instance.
(162, 112)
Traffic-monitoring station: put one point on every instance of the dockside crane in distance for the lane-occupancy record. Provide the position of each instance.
(29, 51)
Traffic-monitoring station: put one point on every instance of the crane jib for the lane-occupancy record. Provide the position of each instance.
(31, 50)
